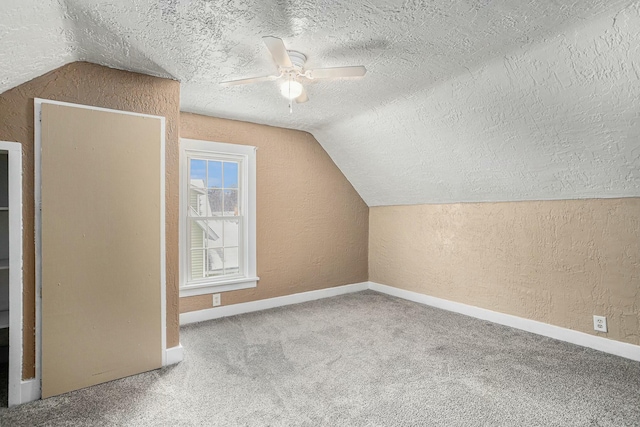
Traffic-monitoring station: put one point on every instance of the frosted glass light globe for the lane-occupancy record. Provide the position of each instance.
(291, 89)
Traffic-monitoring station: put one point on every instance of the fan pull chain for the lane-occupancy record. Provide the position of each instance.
(290, 100)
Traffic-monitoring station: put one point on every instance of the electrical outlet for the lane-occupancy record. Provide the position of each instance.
(216, 300)
(600, 323)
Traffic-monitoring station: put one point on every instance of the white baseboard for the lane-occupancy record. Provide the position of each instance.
(174, 355)
(605, 345)
(247, 307)
(29, 391)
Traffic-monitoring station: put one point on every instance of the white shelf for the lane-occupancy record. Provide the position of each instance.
(4, 319)
(4, 264)
(3, 209)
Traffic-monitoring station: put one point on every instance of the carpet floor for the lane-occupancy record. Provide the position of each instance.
(362, 359)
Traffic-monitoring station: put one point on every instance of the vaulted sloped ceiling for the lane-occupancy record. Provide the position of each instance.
(484, 100)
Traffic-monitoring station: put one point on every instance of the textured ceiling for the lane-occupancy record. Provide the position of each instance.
(482, 100)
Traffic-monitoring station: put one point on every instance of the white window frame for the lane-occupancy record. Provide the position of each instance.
(246, 155)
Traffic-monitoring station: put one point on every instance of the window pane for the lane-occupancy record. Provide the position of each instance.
(197, 264)
(215, 262)
(197, 230)
(197, 193)
(230, 175)
(231, 203)
(197, 201)
(215, 245)
(231, 232)
(214, 234)
(214, 178)
(215, 202)
(231, 262)
(197, 171)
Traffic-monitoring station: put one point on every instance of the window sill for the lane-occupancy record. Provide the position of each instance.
(216, 287)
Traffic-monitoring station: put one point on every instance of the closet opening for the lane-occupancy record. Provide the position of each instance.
(4, 278)
(10, 273)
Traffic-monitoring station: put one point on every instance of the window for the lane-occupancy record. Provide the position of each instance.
(217, 217)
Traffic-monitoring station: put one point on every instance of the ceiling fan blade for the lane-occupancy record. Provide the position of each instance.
(302, 97)
(248, 81)
(337, 72)
(278, 51)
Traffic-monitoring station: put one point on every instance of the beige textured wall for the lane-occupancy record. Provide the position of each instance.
(89, 84)
(312, 225)
(558, 262)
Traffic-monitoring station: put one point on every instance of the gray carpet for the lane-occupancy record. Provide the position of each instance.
(364, 359)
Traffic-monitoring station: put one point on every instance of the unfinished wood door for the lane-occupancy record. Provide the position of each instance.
(101, 246)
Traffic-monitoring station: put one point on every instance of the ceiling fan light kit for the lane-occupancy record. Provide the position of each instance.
(291, 89)
(290, 65)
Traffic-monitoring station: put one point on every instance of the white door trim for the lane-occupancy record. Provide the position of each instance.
(38, 228)
(14, 151)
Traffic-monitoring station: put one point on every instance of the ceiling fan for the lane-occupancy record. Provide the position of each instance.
(292, 72)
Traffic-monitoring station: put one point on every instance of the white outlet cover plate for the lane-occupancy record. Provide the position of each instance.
(600, 323)
(216, 300)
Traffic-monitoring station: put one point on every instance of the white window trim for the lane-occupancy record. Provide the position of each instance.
(248, 176)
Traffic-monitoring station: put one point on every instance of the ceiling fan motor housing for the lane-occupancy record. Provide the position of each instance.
(297, 59)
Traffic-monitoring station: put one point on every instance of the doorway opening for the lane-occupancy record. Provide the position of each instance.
(10, 273)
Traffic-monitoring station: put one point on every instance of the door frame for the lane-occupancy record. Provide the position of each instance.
(14, 153)
(38, 228)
